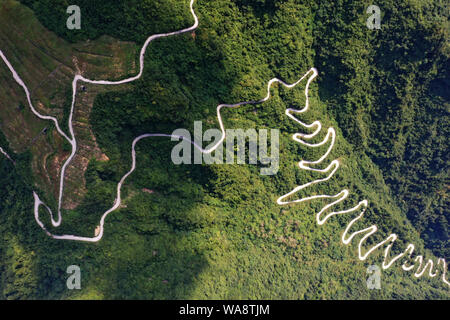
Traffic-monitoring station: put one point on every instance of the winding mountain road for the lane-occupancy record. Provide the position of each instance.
(341, 196)
(304, 165)
(5, 154)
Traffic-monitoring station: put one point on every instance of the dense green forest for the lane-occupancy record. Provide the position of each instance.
(215, 231)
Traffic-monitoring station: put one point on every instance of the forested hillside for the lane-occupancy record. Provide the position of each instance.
(215, 231)
(388, 89)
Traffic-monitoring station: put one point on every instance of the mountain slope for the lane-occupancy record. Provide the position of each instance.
(216, 231)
